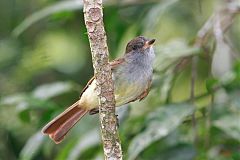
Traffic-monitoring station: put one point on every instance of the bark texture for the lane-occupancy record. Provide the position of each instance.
(93, 16)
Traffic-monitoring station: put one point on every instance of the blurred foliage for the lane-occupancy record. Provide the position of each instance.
(45, 61)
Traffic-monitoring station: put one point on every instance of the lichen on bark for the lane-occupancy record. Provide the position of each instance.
(93, 16)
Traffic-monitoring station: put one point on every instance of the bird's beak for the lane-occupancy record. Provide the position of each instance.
(149, 43)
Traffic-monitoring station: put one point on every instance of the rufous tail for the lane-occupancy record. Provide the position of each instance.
(59, 126)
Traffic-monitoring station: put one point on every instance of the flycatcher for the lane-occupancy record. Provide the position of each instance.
(132, 76)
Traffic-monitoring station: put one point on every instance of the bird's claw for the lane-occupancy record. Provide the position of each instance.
(117, 121)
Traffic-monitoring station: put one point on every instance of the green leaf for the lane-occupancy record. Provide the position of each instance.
(235, 101)
(38, 97)
(153, 17)
(177, 152)
(47, 91)
(13, 99)
(222, 59)
(230, 125)
(211, 84)
(167, 54)
(236, 67)
(167, 83)
(90, 139)
(65, 150)
(32, 146)
(55, 8)
(62, 16)
(8, 51)
(24, 115)
(161, 122)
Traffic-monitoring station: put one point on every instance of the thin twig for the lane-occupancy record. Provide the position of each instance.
(227, 14)
(204, 95)
(93, 16)
(200, 6)
(192, 97)
(209, 122)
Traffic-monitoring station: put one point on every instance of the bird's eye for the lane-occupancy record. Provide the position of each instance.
(134, 47)
(137, 46)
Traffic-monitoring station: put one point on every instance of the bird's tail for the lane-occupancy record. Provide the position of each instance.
(59, 126)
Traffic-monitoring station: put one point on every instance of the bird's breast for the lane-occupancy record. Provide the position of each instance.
(129, 83)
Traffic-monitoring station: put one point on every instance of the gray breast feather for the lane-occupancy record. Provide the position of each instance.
(132, 77)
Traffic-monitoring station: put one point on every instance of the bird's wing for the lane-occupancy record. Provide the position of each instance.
(113, 65)
(119, 61)
(143, 94)
(116, 62)
(87, 85)
(146, 91)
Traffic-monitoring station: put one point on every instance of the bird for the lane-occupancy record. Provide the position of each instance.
(132, 77)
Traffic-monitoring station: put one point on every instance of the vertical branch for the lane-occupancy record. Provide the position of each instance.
(209, 122)
(93, 16)
(192, 97)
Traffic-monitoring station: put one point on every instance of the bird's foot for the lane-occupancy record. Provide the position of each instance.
(117, 121)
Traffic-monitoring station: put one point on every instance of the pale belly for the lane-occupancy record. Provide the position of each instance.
(124, 93)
